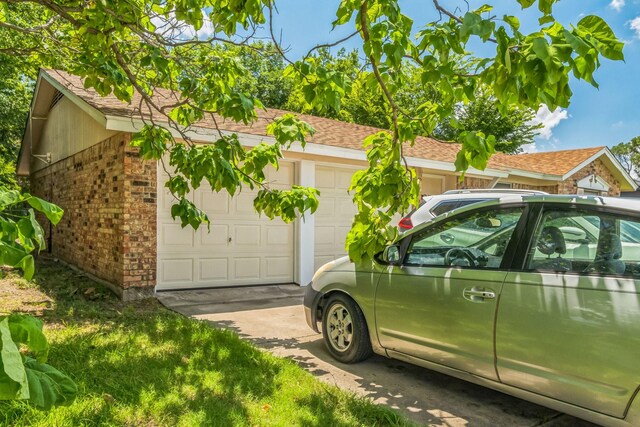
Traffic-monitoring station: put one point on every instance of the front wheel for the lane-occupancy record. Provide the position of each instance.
(344, 330)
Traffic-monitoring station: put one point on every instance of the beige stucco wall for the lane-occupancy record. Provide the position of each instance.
(67, 131)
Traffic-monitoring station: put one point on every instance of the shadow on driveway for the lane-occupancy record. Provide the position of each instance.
(272, 317)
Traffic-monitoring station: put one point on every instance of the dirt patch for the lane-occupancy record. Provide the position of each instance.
(18, 295)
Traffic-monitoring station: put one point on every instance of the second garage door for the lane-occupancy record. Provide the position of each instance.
(335, 213)
(241, 249)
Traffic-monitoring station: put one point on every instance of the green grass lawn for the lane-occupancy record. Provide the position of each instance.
(141, 364)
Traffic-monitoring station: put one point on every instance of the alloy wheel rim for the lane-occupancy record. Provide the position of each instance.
(340, 327)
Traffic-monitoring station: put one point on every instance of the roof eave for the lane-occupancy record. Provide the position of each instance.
(23, 163)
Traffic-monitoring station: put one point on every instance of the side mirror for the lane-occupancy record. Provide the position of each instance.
(391, 255)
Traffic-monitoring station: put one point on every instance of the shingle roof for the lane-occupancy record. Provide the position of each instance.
(332, 132)
(551, 162)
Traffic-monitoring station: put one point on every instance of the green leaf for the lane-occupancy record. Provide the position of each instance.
(513, 22)
(27, 330)
(48, 386)
(12, 366)
(289, 129)
(603, 37)
(10, 198)
(51, 211)
(546, 19)
(473, 23)
(15, 255)
(526, 3)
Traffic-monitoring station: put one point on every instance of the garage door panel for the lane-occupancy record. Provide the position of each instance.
(247, 235)
(241, 249)
(340, 237)
(244, 204)
(176, 270)
(213, 203)
(325, 178)
(343, 178)
(174, 236)
(218, 236)
(326, 207)
(247, 268)
(324, 236)
(277, 267)
(214, 269)
(346, 207)
(281, 177)
(279, 236)
(166, 201)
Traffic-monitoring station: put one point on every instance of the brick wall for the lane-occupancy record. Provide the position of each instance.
(597, 167)
(109, 225)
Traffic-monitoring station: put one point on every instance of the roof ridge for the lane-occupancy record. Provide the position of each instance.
(331, 132)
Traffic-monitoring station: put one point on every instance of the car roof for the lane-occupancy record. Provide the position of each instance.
(474, 195)
(627, 204)
(494, 191)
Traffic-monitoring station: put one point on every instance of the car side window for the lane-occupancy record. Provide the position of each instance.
(583, 241)
(444, 207)
(477, 240)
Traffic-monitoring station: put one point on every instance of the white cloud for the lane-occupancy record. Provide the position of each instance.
(173, 29)
(617, 125)
(549, 120)
(530, 148)
(634, 24)
(617, 5)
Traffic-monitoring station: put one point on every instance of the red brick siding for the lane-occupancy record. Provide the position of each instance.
(109, 226)
(140, 230)
(598, 168)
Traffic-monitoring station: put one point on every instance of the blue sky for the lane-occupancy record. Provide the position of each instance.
(605, 116)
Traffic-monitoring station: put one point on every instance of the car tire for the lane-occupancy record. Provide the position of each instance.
(344, 330)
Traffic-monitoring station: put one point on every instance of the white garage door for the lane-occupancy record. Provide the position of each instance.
(335, 212)
(242, 248)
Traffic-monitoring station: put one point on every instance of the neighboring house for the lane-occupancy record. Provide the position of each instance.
(117, 224)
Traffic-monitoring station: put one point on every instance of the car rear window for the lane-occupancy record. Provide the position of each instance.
(446, 206)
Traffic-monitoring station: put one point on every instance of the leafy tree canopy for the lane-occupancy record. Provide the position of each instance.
(265, 81)
(628, 153)
(128, 46)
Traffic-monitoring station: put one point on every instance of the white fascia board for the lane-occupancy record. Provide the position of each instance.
(450, 167)
(535, 175)
(124, 124)
(35, 93)
(77, 101)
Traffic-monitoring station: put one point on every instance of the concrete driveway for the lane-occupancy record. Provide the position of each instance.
(272, 317)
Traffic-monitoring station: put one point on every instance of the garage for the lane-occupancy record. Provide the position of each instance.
(335, 213)
(242, 248)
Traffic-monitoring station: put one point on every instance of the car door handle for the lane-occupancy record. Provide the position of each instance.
(478, 294)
